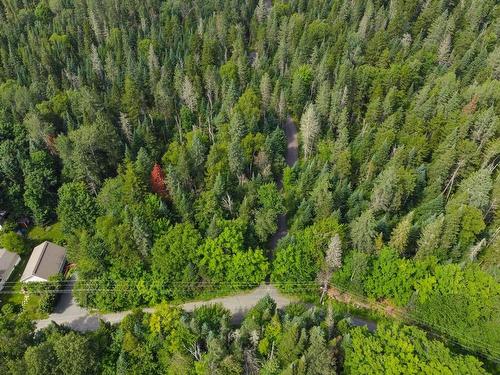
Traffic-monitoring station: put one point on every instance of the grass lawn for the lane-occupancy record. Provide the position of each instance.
(16, 297)
(52, 233)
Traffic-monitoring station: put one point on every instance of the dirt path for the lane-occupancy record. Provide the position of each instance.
(292, 154)
(363, 303)
(292, 151)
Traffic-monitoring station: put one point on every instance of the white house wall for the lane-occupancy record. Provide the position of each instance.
(32, 279)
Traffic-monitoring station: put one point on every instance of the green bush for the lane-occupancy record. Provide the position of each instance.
(14, 242)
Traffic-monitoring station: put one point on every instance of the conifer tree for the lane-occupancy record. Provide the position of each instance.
(309, 128)
(363, 232)
(400, 234)
(430, 239)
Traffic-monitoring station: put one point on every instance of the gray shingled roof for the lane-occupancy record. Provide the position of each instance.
(8, 261)
(47, 259)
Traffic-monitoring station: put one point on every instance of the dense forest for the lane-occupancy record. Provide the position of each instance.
(152, 131)
(296, 341)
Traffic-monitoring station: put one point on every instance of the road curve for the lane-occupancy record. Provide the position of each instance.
(238, 305)
(68, 313)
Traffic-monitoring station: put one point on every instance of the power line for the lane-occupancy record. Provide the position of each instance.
(291, 287)
(173, 282)
(379, 304)
(433, 326)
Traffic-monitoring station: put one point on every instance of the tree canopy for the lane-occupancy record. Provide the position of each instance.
(156, 133)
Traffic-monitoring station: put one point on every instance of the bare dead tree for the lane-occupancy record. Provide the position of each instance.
(333, 260)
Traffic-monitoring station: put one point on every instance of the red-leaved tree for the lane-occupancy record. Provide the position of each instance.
(158, 180)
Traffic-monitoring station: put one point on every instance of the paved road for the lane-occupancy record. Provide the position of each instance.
(68, 313)
(238, 305)
(66, 304)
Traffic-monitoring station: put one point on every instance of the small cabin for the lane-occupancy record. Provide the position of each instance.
(46, 260)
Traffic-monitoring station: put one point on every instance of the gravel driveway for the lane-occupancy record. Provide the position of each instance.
(81, 320)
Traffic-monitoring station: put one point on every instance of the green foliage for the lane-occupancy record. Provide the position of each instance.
(16, 336)
(43, 12)
(394, 277)
(363, 232)
(41, 359)
(77, 209)
(468, 300)
(212, 317)
(401, 349)
(460, 301)
(14, 242)
(52, 233)
(302, 79)
(40, 183)
(79, 349)
(355, 269)
(399, 110)
(90, 153)
(270, 206)
(248, 107)
(248, 267)
(318, 356)
(131, 103)
(169, 340)
(229, 71)
(47, 292)
(300, 255)
(174, 259)
(224, 258)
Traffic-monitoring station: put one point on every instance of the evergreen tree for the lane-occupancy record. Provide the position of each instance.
(430, 239)
(40, 186)
(309, 128)
(401, 233)
(318, 356)
(363, 231)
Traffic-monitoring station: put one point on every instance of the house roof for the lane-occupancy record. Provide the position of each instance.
(46, 260)
(8, 261)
